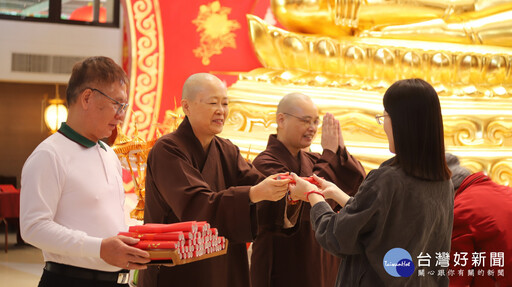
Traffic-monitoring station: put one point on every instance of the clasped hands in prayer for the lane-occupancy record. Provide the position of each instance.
(332, 138)
(304, 190)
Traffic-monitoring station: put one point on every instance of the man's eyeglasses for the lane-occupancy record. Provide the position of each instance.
(380, 119)
(307, 121)
(122, 107)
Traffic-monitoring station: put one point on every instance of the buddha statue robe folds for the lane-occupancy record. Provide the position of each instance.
(484, 22)
(461, 47)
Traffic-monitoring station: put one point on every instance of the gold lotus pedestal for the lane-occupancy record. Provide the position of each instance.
(347, 76)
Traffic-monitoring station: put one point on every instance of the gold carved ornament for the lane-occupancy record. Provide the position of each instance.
(215, 31)
(133, 153)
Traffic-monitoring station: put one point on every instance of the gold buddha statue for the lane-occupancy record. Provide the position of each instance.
(346, 53)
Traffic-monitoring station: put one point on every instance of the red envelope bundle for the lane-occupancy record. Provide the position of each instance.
(202, 226)
(191, 240)
(187, 226)
(171, 236)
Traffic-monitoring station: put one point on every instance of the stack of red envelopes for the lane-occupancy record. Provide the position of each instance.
(191, 239)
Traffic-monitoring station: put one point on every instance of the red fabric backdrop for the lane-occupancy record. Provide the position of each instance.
(181, 38)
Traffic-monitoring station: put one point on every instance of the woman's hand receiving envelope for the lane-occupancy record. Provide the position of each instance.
(305, 191)
(331, 191)
(301, 187)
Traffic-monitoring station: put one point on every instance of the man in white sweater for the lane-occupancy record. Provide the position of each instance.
(72, 193)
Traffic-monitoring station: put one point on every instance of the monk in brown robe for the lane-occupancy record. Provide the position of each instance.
(194, 175)
(285, 252)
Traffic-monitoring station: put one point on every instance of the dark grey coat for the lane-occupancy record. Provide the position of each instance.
(390, 210)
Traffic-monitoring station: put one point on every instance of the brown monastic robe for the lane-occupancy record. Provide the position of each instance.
(186, 183)
(292, 257)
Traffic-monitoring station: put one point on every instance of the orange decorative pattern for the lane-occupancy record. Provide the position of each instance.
(216, 31)
(146, 69)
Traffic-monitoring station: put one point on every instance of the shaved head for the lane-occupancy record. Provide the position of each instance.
(205, 103)
(198, 83)
(292, 102)
(297, 121)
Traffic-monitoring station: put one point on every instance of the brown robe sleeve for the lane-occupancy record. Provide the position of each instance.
(341, 168)
(178, 191)
(271, 214)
